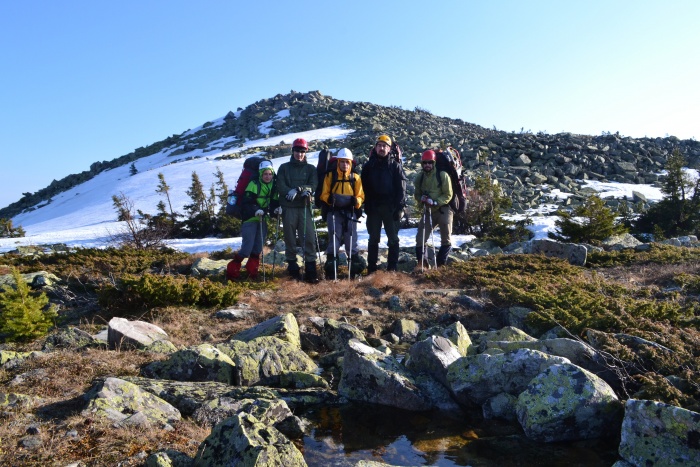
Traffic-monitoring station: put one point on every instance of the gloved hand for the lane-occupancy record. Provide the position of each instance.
(278, 210)
(259, 213)
(428, 201)
(291, 194)
(353, 201)
(331, 200)
(423, 198)
(305, 193)
(398, 214)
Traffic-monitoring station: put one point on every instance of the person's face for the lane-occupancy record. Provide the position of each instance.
(299, 154)
(267, 176)
(344, 164)
(382, 149)
(427, 165)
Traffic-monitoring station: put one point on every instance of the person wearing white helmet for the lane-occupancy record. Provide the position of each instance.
(343, 194)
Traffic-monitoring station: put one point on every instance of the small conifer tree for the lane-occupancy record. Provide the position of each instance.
(23, 315)
(591, 222)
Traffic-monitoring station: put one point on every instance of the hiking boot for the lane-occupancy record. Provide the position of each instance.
(442, 254)
(233, 268)
(329, 268)
(310, 274)
(357, 265)
(372, 258)
(392, 259)
(293, 270)
(253, 265)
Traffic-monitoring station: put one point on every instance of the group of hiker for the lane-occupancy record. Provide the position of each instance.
(379, 190)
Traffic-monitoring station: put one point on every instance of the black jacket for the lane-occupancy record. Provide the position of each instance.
(384, 182)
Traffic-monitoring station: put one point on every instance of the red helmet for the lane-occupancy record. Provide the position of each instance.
(300, 143)
(428, 155)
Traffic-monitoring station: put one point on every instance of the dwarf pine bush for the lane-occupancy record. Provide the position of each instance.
(23, 315)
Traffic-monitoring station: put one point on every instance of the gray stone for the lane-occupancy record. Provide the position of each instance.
(573, 253)
(566, 403)
(122, 333)
(654, 433)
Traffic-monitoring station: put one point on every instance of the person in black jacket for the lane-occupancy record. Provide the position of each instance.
(384, 182)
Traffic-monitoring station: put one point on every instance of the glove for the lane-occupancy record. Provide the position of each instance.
(428, 201)
(259, 213)
(423, 198)
(277, 211)
(291, 194)
(353, 201)
(305, 193)
(331, 200)
(398, 214)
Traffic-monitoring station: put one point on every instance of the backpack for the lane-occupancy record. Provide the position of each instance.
(449, 160)
(328, 163)
(249, 173)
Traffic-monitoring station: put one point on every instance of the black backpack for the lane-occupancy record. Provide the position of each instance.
(449, 160)
(235, 197)
(328, 163)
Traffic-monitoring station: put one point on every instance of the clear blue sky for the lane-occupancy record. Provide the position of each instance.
(85, 81)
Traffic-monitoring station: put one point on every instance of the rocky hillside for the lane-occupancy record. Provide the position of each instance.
(521, 162)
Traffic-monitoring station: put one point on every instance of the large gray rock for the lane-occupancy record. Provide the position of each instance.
(476, 378)
(264, 359)
(566, 403)
(122, 333)
(126, 404)
(432, 356)
(242, 440)
(203, 267)
(621, 242)
(573, 253)
(284, 327)
(506, 334)
(654, 433)
(199, 363)
(455, 333)
(372, 376)
(335, 335)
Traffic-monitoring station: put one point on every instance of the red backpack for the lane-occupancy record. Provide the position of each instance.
(235, 197)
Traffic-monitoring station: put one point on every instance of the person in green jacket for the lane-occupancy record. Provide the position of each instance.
(260, 199)
(296, 181)
(433, 194)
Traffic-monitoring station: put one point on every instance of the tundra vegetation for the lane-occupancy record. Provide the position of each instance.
(651, 295)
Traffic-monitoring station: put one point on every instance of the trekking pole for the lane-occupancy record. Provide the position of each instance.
(432, 237)
(303, 241)
(318, 245)
(274, 255)
(348, 251)
(422, 247)
(262, 248)
(335, 250)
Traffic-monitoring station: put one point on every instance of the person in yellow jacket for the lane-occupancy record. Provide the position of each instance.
(343, 195)
(434, 194)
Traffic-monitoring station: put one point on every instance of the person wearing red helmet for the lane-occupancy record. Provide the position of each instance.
(295, 183)
(434, 195)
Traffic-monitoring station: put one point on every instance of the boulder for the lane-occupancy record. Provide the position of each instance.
(69, 338)
(455, 333)
(283, 327)
(203, 267)
(500, 406)
(432, 356)
(506, 334)
(654, 433)
(122, 333)
(573, 253)
(372, 376)
(475, 378)
(335, 335)
(405, 329)
(567, 403)
(243, 440)
(263, 359)
(126, 404)
(199, 363)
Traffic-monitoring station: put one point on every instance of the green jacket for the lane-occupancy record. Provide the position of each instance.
(427, 184)
(259, 195)
(295, 174)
